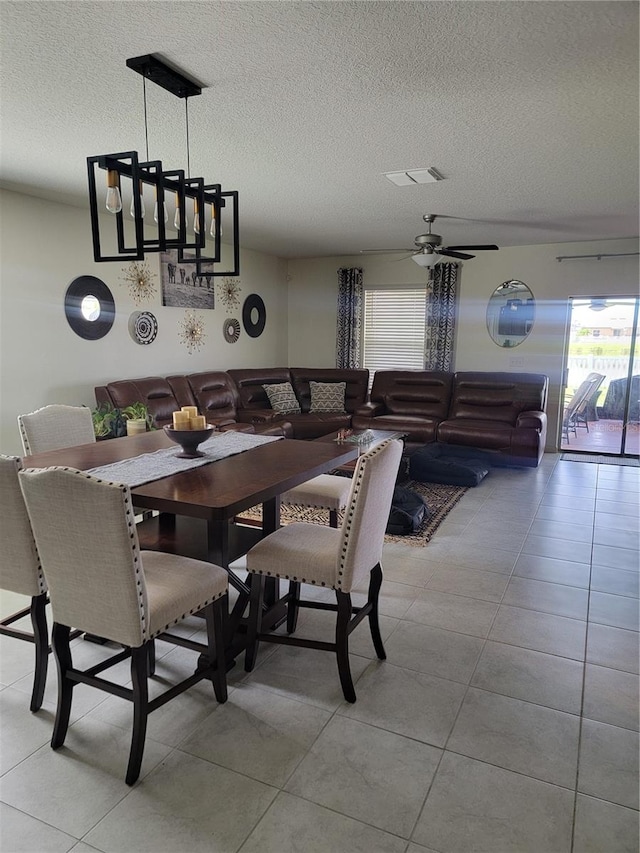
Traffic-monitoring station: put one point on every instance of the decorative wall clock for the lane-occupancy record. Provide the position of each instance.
(192, 333)
(254, 315)
(89, 307)
(231, 330)
(143, 327)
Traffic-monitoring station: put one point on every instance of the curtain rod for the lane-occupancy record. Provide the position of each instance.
(599, 257)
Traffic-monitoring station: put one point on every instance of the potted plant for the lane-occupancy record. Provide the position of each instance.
(137, 418)
(112, 422)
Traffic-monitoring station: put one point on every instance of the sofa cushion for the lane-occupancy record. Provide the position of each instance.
(327, 396)
(282, 398)
(355, 378)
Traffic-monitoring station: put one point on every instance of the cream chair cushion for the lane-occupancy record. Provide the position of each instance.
(20, 569)
(54, 427)
(327, 491)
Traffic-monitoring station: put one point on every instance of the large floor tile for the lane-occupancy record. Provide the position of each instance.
(486, 586)
(474, 806)
(434, 651)
(367, 773)
(573, 531)
(543, 632)
(566, 515)
(549, 680)
(307, 675)
(486, 558)
(552, 570)
(516, 735)
(617, 558)
(603, 827)
(547, 597)
(618, 611)
(605, 535)
(609, 763)
(185, 805)
(259, 733)
(611, 696)
(22, 733)
(408, 703)
(21, 833)
(615, 581)
(453, 612)
(292, 825)
(557, 549)
(613, 647)
(321, 625)
(84, 779)
(400, 565)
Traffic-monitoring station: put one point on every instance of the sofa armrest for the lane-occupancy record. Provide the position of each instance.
(370, 410)
(532, 420)
(256, 416)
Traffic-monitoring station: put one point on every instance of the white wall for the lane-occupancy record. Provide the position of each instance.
(43, 247)
(313, 297)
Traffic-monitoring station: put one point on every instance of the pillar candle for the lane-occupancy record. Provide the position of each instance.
(198, 422)
(181, 420)
(191, 411)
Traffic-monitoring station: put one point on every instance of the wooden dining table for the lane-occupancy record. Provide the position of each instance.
(198, 507)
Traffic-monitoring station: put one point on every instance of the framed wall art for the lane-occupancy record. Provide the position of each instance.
(181, 284)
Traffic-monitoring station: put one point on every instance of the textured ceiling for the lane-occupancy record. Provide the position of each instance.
(530, 110)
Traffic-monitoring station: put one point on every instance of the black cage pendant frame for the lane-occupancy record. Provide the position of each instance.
(126, 165)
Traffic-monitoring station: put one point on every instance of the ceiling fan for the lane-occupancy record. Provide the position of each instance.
(429, 250)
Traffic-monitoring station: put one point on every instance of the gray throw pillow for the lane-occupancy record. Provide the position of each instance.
(282, 398)
(327, 396)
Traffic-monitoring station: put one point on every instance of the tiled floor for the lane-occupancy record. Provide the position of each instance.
(505, 718)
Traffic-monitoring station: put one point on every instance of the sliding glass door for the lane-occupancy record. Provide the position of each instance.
(602, 377)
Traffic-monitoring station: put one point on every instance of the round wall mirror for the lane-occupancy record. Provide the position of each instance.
(510, 313)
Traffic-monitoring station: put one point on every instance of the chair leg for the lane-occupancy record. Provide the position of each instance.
(293, 608)
(41, 638)
(62, 653)
(151, 651)
(214, 615)
(333, 518)
(342, 645)
(375, 583)
(254, 625)
(139, 675)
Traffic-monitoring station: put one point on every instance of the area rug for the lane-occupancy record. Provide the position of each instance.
(439, 499)
(629, 461)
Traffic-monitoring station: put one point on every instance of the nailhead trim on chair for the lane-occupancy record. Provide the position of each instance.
(42, 584)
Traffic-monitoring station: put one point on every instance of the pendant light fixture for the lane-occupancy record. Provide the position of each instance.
(176, 198)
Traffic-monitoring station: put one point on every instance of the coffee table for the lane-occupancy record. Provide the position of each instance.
(373, 436)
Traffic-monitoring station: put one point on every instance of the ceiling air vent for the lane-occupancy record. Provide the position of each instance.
(414, 176)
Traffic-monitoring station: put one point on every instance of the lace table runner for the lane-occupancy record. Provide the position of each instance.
(163, 463)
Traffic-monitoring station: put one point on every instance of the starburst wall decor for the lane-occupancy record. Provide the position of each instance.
(229, 291)
(192, 332)
(139, 280)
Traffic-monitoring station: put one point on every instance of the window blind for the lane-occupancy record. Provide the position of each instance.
(394, 329)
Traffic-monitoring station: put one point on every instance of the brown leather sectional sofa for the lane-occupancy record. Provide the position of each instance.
(503, 413)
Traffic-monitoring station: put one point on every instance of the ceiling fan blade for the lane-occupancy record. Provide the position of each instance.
(451, 254)
(384, 251)
(475, 248)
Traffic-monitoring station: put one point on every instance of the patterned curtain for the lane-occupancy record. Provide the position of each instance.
(442, 303)
(349, 326)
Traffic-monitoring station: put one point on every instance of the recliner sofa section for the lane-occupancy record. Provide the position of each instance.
(502, 413)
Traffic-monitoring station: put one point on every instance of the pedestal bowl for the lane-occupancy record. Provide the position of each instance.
(189, 439)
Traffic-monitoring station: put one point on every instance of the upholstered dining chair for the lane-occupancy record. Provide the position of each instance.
(327, 491)
(54, 427)
(100, 582)
(335, 558)
(21, 572)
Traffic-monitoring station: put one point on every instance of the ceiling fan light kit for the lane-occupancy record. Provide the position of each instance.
(429, 250)
(187, 195)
